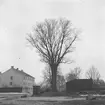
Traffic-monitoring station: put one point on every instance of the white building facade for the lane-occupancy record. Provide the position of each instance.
(17, 78)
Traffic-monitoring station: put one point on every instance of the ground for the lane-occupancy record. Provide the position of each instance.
(51, 101)
(14, 99)
(54, 103)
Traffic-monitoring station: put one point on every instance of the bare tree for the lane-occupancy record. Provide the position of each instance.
(47, 82)
(73, 74)
(93, 74)
(53, 40)
(47, 77)
(101, 82)
(61, 84)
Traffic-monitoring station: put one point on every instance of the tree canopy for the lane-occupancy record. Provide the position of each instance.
(54, 39)
(73, 74)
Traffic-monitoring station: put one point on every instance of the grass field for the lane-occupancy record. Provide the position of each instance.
(79, 102)
(51, 101)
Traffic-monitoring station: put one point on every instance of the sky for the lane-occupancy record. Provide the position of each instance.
(18, 17)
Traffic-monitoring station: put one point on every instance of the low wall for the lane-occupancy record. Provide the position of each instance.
(10, 89)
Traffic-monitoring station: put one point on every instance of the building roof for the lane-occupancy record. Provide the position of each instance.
(20, 71)
(80, 80)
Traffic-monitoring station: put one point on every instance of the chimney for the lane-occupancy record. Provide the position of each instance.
(12, 67)
(21, 70)
(17, 69)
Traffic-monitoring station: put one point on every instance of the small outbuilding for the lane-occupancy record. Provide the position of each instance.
(78, 85)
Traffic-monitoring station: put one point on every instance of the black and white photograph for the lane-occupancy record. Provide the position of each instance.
(52, 52)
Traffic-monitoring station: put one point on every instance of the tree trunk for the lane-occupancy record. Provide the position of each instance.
(54, 76)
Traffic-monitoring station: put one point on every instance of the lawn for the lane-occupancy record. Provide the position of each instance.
(79, 102)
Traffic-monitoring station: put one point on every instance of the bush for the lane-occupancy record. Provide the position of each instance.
(54, 94)
(102, 92)
(24, 96)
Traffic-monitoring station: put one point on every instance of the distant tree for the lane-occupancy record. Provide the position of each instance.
(101, 82)
(61, 84)
(93, 74)
(53, 40)
(73, 74)
(47, 77)
(40, 84)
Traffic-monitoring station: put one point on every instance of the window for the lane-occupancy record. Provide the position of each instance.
(11, 77)
(10, 83)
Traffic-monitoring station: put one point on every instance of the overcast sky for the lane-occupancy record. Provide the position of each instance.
(17, 17)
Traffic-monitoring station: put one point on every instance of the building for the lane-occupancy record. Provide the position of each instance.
(78, 85)
(36, 90)
(14, 78)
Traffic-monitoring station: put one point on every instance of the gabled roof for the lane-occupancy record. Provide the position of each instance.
(19, 71)
(22, 72)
